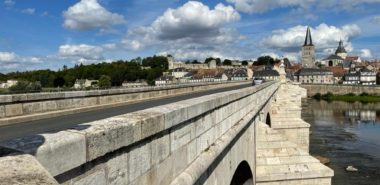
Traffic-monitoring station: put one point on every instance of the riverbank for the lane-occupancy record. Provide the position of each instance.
(364, 97)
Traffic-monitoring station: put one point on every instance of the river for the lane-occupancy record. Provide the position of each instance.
(347, 134)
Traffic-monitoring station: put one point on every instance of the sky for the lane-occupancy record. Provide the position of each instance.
(46, 34)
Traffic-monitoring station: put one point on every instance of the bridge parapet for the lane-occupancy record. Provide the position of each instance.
(161, 145)
(25, 107)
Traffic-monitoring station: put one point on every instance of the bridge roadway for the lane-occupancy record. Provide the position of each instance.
(67, 121)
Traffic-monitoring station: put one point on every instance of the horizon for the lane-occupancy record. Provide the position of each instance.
(47, 35)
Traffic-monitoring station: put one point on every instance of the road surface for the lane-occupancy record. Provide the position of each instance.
(67, 121)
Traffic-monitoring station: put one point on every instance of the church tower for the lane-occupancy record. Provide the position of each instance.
(341, 51)
(308, 51)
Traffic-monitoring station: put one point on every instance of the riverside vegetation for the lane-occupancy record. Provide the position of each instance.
(350, 97)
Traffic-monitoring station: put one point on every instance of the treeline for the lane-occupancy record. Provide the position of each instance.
(147, 69)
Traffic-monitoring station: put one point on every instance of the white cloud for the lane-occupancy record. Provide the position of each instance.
(29, 11)
(324, 37)
(9, 3)
(260, 6)
(376, 19)
(366, 53)
(7, 56)
(82, 51)
(193, 30)
(89, 14)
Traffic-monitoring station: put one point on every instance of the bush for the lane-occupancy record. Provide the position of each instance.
(350, 94)
(25, 86)
(364, 94)
(104, 82)
(318, 96)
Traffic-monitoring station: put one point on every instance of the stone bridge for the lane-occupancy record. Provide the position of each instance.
(249, 136)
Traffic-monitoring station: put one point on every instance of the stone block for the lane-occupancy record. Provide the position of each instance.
(181, 136)
(2, 111)
(5, 99)
(19, 98)
(64, 104)
(139, 161)
(57, 152)
(160, 149)
(49, 105)
(108, 135)
(96, 178)
(23, 169)
(13, 110)
(30, 108)
(118, 169)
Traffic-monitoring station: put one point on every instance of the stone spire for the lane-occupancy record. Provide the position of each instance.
(340, 48)
(308, 40)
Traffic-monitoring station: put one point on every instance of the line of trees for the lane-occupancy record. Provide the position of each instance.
(119, 71)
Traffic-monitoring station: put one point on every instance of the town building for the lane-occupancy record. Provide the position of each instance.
(332, 60)
(367, 77)
(314, 76)
(308, 51)
(165, 80)
(268, 74)
(85, 83)
(137, 83)
(179, 72)
(8, 83)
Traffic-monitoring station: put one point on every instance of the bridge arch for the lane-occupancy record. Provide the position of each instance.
(243, 175)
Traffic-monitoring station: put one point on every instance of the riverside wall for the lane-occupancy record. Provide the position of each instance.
(340, 89)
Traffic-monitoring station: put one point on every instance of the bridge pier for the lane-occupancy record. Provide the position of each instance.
(282, 149)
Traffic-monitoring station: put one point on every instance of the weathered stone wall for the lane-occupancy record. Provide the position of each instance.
(200, 140)
(340, 89)
(54, 104)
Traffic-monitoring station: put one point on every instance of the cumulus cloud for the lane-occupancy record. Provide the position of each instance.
(89, 14)
(366, 53)
(81, 52)
(260, 6)
(325, 37)
(193, 29)
(11, 61)
(7, 56)
(29, 11)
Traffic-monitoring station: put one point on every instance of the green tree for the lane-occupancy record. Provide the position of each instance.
(244, 63)
(227, 62)
(264, 60)
(105, 81)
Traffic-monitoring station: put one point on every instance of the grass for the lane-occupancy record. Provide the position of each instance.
(364, 97)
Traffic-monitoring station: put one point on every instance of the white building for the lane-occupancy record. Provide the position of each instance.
(8, 84)
(84, 83)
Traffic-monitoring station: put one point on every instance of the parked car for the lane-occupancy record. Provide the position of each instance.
(258, 81)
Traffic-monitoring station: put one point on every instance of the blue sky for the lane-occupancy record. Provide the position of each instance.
(45, 34)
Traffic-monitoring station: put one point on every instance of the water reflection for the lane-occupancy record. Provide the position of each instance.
(348, 134)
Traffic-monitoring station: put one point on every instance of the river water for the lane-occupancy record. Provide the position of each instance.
(347, 134)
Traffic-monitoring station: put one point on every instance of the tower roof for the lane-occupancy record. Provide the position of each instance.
(340, 48)
(308, 40)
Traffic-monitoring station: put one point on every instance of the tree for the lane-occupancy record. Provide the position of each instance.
(59, 82)
(244, 63)
(227, 62)
(264, 60)
(195, 62)
(105, 81)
